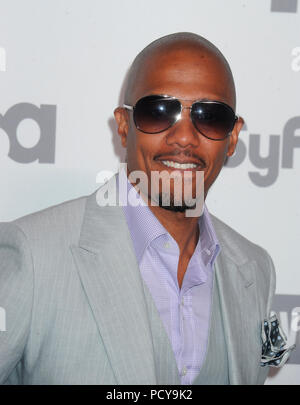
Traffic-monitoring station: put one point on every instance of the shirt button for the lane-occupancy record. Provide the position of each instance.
(182, 301)
(208, 251)
(184, 371)
(167, 245)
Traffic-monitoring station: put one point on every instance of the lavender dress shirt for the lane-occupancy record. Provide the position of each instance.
(185, 311)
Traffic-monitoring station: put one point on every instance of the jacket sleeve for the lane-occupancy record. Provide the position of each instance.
(16, 297)
(263, 371)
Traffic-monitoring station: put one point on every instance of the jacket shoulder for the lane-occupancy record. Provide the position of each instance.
(240, 250)
(55, 222)
(236, 246)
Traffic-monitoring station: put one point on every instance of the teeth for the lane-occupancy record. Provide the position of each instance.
(183, 166)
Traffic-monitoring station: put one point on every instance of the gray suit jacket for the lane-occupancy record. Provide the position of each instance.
(75, 305)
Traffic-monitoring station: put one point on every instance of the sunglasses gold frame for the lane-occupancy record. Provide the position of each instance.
(178, 117)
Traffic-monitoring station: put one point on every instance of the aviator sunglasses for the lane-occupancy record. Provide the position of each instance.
(157, 113)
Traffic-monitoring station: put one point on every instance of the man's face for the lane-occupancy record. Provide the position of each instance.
(186, 75)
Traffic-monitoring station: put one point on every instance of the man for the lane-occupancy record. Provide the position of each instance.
(142, 295)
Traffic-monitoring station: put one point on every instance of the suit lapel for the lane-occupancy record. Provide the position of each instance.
(165, 362)
(111, 279)
(238, 310)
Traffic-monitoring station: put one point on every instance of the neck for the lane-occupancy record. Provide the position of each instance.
(184, 230)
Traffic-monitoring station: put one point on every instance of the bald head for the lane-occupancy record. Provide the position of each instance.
(180, 49)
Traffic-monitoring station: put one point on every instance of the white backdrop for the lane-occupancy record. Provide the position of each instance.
(62, 67)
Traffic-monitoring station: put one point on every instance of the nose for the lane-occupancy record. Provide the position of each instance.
(183, 133)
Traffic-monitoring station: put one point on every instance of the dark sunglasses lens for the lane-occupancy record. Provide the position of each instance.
(154, 114)
(213, 120)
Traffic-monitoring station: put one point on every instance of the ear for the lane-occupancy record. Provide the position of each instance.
(234, 136)
(122, 119)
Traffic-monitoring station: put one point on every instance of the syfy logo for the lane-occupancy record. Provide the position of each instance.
(45, 117)
(288, 309)
(272, 162)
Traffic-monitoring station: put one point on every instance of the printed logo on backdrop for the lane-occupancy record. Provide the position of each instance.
(288, 6)
(268, 166)
(45, 117)
(284, 6)
(287, 308)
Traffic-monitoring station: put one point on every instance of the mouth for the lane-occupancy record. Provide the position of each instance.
(180, 166)
(183, 163)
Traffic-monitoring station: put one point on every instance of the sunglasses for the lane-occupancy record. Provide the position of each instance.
(157, 113)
